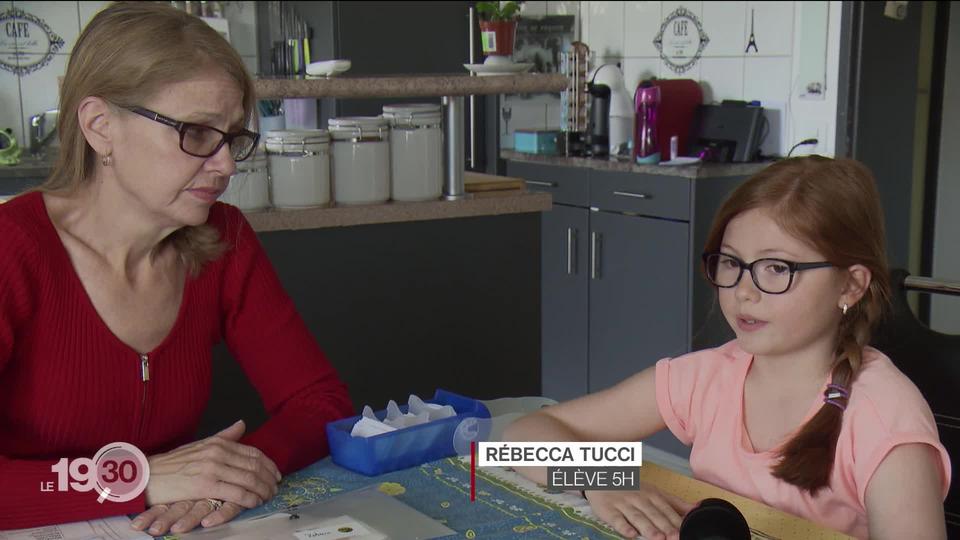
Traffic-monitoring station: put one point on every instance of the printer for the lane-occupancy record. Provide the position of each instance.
(728, 132)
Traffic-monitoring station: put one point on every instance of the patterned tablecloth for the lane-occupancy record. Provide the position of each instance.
(441, 490)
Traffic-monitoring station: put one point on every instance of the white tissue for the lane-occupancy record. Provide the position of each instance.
(419, 413)
(436, 412)
(368, 427)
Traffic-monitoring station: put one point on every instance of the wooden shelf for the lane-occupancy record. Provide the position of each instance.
(480, 204)
(410, 86)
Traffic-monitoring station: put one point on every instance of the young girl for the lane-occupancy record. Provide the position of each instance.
(797, 412)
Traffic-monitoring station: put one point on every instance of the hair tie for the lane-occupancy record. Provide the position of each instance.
(833, 393)
(838, 391)
(836, 404)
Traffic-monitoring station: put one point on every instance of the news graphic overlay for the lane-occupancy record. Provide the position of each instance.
(571, 465)
(119, 472)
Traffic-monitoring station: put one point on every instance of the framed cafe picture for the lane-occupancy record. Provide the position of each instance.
(681, 40)
(28, 42)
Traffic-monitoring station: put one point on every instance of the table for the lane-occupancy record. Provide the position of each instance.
(509, 506)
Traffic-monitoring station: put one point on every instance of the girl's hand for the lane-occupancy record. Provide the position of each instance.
(183, 516)
(648, 512)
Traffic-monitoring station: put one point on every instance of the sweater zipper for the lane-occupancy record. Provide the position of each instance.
(144, 377)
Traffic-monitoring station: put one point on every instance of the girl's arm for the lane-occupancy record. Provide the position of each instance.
(625, 412)
(904, 498)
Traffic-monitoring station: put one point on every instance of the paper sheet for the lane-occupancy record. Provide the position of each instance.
(115, 528)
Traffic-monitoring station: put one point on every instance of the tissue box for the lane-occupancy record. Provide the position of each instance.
(536, 142)
(402, 448)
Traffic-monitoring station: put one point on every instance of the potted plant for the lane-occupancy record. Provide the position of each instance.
(498, 27)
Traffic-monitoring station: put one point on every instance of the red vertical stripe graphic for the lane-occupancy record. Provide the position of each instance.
(473, 471)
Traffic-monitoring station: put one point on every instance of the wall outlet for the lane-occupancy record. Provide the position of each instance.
(818, 131)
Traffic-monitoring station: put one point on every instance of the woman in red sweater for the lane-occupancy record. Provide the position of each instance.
(121, 273)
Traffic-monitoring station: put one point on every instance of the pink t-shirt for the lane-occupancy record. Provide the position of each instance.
(700, 397)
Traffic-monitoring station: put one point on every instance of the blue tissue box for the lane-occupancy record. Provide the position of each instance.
(536, 142)
(402, 448)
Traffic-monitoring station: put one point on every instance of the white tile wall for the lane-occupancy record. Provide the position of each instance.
(641, 23)
(693, 7)
(24, 96)
(61, 17)
(10, 113)
(524, 114)
(88, 9)
(243, 26)
(563, 8)
(692, 72)
(721, 78)
(603, 28)
(772, 27)
(533, 9)
(725, 25)
(766, 78)
(636, 70)
(7, 43)
(39, 90)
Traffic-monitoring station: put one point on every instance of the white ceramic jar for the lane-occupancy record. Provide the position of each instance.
(248, 188)
(361, 159)
(416, 151)
(299, 167)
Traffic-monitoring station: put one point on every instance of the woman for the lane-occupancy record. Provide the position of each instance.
(122, 272)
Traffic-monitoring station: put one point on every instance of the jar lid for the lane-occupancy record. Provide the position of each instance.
(297, 136)
(359, 128)
(413, 114)
(352, 122)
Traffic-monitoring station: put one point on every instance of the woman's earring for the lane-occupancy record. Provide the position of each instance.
(844, 309)
(107, 160)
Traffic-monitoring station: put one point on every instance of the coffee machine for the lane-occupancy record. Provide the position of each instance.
(598, 132)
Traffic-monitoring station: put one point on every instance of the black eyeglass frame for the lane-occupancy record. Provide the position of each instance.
(793, 266)
(181, 127)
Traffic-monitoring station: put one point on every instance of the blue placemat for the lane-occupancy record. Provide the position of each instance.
(441, 490)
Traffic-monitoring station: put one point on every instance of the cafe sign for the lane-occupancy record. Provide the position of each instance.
(27, 43)
(681, 40)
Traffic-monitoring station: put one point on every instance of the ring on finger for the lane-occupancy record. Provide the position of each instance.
(215, 504)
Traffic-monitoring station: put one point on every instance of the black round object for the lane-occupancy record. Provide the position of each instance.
(714, 519)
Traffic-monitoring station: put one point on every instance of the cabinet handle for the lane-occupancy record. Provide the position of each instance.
(542, 184)
(633, 195)
(571, 250)
(595, 255)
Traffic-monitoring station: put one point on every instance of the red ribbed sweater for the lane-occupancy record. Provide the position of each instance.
(68, 385)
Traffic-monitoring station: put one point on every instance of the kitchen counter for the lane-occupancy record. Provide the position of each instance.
(459, 84)
(702, 170)
(29, 167)
(481, 204)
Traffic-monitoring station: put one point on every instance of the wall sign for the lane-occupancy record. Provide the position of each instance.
(30, 38)
(681, 40)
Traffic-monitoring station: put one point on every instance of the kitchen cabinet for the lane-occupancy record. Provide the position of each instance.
(620, 285)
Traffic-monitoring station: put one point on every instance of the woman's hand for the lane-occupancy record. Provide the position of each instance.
(217, 467)
(647, 512)
(183, 516)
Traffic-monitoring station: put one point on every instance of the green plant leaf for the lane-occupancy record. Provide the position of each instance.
(489, 9)
(509, 10)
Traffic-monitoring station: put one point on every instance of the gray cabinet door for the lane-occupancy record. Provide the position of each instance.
(638, 299)
(564, 308)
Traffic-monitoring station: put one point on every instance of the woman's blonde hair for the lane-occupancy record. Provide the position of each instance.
(125, 55)
(833, 205)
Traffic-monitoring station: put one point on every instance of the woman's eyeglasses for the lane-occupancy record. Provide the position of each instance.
(772, 276)
(204, 141)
